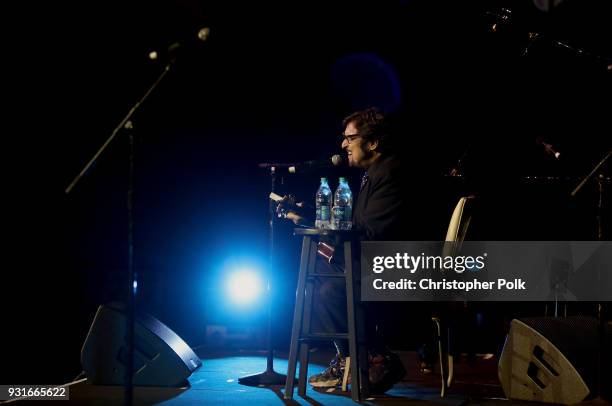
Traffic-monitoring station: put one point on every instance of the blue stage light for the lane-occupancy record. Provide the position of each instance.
(244, 286)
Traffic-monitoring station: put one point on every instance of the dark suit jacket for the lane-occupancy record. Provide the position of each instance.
(382, 209)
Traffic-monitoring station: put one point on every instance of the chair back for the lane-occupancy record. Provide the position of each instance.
(460, 220)
(458, 225)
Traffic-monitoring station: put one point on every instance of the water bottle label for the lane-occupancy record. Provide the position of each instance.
(342, 218)
(339, 213)
(323, 213)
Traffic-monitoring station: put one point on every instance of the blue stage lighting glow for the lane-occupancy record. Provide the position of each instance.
(244, 286)
(365, 79)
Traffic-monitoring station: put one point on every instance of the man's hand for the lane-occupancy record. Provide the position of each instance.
(286, 208)
(296, 218)
(286, 204)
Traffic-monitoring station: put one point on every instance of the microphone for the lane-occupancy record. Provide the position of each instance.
(307, 166)
(548, 147)
(172, 49)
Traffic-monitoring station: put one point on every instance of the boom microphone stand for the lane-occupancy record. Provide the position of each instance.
(127, 124)
(600, 181)
(600, 316)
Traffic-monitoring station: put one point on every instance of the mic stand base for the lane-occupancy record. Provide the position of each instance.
(267, 378)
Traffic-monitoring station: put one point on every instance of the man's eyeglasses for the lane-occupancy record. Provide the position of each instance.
(350, 138)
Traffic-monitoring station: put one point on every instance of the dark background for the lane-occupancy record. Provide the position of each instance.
(271, 84)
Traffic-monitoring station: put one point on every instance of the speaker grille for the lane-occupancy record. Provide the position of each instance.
(578, 340)
(161, 358)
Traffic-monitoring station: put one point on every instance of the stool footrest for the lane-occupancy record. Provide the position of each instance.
(327, 275)
(324, 336)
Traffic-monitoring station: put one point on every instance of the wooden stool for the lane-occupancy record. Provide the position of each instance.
(301, 336)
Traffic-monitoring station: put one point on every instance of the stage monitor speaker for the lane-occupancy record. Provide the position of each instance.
(161, 358)
(553, 360)
(606, 373)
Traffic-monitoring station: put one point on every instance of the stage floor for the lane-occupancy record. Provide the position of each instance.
(216, 382)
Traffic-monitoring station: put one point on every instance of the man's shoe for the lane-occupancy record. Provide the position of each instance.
(385, 371)
(332, 376)
(425, 368)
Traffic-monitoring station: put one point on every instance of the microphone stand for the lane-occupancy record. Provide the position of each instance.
(269, 376)
(127, 124)
(503, 18)
(600, 316)
(600, 189)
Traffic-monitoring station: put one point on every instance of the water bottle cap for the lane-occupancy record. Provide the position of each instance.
(342, 179)
(323, 179)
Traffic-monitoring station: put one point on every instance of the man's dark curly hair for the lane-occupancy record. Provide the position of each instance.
(373, 125)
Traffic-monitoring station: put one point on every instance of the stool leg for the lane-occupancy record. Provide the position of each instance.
(307, 247)
(305, 345)
(358, 353)
(362, 350)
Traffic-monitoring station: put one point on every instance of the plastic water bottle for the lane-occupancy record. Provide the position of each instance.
(323, 205)
(342, 213)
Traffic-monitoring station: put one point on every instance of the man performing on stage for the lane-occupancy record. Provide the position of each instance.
(380, 213)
